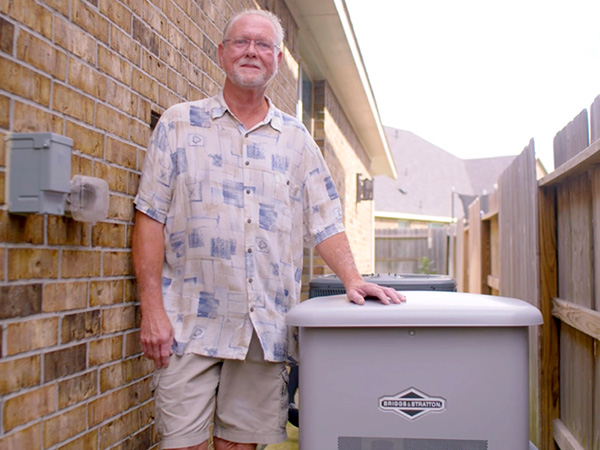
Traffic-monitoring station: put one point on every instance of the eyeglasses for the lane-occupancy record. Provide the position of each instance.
(260, 46)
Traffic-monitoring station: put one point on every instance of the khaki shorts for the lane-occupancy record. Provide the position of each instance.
(244, 401)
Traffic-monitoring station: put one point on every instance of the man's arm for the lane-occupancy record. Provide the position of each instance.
(148, 253)
(336, 252)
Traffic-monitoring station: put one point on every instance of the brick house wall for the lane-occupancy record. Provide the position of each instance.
(71, 371)
(345, 158)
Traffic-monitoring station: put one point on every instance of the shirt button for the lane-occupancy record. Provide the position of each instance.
(250, 280)
(252, 309)
(247, 163)
(249, 220)
(247, 191)
(249, 250)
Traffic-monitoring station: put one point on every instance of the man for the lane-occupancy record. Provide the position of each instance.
(230, 188)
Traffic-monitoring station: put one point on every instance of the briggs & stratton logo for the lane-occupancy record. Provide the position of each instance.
(412, 404)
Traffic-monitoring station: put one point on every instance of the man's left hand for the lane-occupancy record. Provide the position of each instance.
(358, 290)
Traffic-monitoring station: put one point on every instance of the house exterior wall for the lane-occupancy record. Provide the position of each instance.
(72, 375)
(345, 157)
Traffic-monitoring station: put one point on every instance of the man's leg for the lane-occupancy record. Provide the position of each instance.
(222, 444)
(252, 401)
(184, 398)
(203, 446)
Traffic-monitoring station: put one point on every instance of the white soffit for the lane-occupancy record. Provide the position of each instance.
(329, 50)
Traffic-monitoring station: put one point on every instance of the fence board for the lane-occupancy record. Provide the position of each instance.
(595, 188)
(549, 361)
(479, 255)
(519, 254)
(576, 383)
(576, 273)
(461, 256)
(400, 250)
(595, 121)
(571, 139)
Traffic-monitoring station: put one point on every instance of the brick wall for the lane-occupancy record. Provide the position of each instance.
(345, 158)
(71, 372)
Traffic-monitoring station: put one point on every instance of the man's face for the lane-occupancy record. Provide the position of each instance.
(249, 66)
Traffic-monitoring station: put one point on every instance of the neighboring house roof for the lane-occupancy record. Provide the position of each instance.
(427, 178)
(329, 50)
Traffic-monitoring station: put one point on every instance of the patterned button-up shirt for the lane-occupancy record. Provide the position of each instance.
(237, 206)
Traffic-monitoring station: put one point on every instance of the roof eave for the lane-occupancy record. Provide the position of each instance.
(329, 50)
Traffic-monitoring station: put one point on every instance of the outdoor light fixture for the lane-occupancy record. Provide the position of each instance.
(364, 188)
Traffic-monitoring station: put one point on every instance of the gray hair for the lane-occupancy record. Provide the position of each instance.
(279, 33)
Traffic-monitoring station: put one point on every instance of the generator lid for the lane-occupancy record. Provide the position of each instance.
(398, 281)
(422, 309)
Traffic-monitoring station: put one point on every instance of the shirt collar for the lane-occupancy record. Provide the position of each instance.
(274, 118)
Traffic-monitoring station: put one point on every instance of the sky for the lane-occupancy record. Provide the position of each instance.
(480, 78)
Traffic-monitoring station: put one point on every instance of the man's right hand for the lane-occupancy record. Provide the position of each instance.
(157, 338)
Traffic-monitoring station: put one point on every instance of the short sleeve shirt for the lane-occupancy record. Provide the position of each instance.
(238, 206)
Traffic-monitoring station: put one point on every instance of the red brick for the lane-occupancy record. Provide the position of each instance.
(88, 441)
(133, 182)
(42, 55)
(24, 82)
(121, 208)
(112, 64)
(106, 292)
(65, 296)
(80, 325)
(20, 300)
(133, 345)
(4, 117)
(21, 229)
(28, 438)
(25, 263)
(145, 36)
(116, 13)
(64, 362)
(143, 84)
(116, 177)
(20, 373)
(124, 45)
(118, 319)
(77, 389)
(30, 335)
(29, 119)
(177, 83)
(140, 134)
(153, 66)
(122, 98)
(30, 14)
(113, 121)
(65, 425)
(73, 39)
(29, 406)
(66, 231)
(105, 350)
(80, 263)
(7, 34)
(105, 407)
(90, 20)
(73, 103)
(86, 78)
(80, 165)
(120, 153)
(85, 139)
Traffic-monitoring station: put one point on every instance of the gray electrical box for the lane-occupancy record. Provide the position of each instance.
(445, 370)
(39, 172)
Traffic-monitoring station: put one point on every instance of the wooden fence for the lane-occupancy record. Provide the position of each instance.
(540, 242)
(405, 250)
